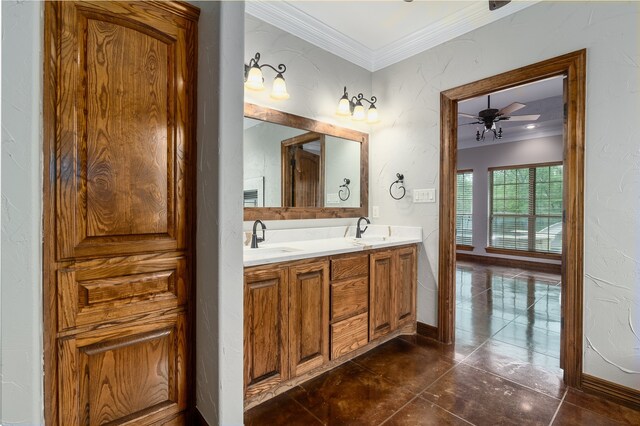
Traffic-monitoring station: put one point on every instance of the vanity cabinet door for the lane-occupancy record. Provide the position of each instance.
(265, 329)
(381, 293)
(405, 286)
(308, 316)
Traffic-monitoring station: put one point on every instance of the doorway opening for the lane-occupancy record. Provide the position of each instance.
(571, 69)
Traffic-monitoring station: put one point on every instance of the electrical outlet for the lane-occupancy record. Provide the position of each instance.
(376, 211)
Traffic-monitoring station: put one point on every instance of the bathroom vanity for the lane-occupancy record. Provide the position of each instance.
(311, 305)
(315, 298)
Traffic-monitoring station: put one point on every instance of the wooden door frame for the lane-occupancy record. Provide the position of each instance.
(573, 66)
(286, 176)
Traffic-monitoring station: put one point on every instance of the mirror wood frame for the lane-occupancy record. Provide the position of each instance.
(282, 213)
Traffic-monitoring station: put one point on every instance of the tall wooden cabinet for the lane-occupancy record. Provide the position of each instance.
(119, 203)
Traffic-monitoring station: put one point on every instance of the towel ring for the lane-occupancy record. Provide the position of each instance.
(346, 190)
(400, 183)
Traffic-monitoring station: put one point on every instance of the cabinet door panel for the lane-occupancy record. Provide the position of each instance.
(127, 375)
(405, 286)
(113, 290)
(122, 147)
(349, 298)
(308, 316)
(380, 294)
(265, 329)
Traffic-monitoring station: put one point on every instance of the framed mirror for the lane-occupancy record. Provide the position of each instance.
(299, 168)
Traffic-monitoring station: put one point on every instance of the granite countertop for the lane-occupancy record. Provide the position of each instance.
(278, 249)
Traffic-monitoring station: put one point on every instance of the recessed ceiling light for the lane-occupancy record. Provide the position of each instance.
(530, 126)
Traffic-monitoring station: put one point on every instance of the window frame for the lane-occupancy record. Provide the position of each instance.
(464, 247)
(530, 216)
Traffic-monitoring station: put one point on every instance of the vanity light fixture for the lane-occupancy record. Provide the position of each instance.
(355, 108)
(254, 80)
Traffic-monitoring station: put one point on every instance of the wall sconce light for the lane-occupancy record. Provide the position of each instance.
(400, 183)
(254, 80)
(355, 109)
(345, 193)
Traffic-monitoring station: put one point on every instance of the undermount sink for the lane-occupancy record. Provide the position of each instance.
(265, 251)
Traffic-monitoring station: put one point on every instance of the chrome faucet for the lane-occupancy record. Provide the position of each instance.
(359, 231)
(254, 237)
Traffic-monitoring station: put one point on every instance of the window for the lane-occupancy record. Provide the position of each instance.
(464, 201)
(526, 208)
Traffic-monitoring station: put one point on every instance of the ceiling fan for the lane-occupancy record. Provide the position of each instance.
(490, 116)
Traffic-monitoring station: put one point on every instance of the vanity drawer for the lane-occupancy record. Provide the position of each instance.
(349, 266)
(349, 298)
(349, 335)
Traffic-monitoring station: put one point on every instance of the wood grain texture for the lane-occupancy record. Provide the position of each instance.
(124, 129)
(404, 288)
(381, 294)
(119, 192)
(132, 374)
(573, 66)
(349, 298)
(349, 335)
(266, 313)
(99, 292)
(291, 120)
(349, 266)
(308, 317)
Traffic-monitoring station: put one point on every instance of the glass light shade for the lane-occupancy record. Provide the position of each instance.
(254, 79)
(372, 115)
(279, 89)
(358, 112)
(343, 107)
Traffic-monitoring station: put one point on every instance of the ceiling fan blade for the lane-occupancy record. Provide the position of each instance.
(475, 122)
(532, 117)
(467, 115)
(511, 108)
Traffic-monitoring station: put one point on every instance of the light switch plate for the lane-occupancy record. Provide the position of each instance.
(424, 195)
(376, 211)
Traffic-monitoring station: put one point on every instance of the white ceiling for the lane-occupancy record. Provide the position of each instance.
(542, 97)
(376, 34)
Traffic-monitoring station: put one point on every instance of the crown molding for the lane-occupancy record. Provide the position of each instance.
(466, 20)
(288, 18)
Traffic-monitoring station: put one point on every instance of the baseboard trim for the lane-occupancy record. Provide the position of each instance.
(427, 330)
(516, 263)
(199, 419)
(612, 391)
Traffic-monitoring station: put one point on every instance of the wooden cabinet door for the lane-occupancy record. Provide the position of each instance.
(405, 286)
(119, 197)
(265, 329)
(381, 279)
(124, 375)
(124, 120)
(308, 316)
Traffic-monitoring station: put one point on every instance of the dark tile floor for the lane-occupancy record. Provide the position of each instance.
(502, 369)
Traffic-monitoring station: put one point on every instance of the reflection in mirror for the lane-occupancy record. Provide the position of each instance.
(289, 167)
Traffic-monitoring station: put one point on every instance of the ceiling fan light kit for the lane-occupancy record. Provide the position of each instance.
(490, 116)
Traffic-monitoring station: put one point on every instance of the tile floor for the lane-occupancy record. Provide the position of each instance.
(502, 369)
